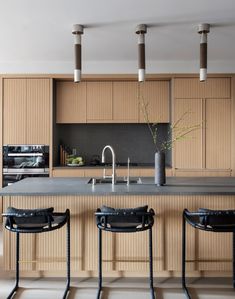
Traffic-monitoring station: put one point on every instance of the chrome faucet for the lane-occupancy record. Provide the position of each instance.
(113, 176)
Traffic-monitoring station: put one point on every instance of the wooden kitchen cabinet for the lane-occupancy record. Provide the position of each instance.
(111, 101)
(212, 88)
(38, 111)
(156, 95)
(67, 172)
(99, 102)
(14, 111)
(188, 151)
(218, 133)
(26, 111)
(207, 151)
(125, 102)
(70, 102)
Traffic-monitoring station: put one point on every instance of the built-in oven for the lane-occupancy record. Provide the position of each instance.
(21, 161)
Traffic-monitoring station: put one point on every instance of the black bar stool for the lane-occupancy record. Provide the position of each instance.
(36, 221)
(208, 220)
(125, 221)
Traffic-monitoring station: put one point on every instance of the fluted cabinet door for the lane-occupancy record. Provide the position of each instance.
(125, 102)
(70, 102)
(26, 111)
(188, 149)
(99, 102)
(218, 133)
(38, 111)
(14, 111)
(212, 88)
(155, 96)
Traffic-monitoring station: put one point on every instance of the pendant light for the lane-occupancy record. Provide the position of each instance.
(141, 30)
(203, 29)
(77, 31)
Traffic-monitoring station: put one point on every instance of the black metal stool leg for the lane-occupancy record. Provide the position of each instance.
(68, 258)
(151, 263)
(17, 266)
(100, 262)
(184, 258)
(233, 259)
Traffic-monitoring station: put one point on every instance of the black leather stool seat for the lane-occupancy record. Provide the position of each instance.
(212, 220)
(124, 220)
(208, 220)
(36, 221)
(33, 221)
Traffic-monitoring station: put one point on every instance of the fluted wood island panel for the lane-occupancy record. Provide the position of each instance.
(123, 254)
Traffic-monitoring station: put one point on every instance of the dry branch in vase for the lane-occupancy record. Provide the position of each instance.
(176, 132)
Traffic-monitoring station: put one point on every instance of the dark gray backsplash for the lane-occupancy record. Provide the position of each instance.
(128, 140)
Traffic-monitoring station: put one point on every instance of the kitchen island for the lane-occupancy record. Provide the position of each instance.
(123, 254)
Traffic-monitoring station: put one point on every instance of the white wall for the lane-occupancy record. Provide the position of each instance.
(113, 67)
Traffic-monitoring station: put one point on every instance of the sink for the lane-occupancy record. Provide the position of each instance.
(109, 181)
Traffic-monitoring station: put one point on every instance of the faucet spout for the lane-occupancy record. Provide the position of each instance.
(113, 163)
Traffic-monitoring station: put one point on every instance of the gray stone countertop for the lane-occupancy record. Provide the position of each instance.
(79, 186)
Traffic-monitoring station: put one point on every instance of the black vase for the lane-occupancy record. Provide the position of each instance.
(160, 171)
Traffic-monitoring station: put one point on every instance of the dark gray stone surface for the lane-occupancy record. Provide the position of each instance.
(127, 140)
(79, 186)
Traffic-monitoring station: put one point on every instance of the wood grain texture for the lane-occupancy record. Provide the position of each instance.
(218, 133)
(123, 254)
(156, 94)
(73, 172)
(189, 151)
(38, 111)
(70, 102)
(26, 111)
(233, 125)
(99, 102)
(121, 172)
(1, 141)
(14, 111)
(125, 102)
(188, 88)
(202, 172)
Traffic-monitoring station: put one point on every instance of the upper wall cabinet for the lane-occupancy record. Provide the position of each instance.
(155, 96)
(125, 102)
(70, 102)
(112, 101)
(212, 88)
(99, 102)
(26, 111)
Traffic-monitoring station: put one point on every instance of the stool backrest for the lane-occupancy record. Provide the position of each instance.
(21, 218)
(215, 220)
(124, 220)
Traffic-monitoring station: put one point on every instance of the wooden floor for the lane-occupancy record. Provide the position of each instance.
(133, 288)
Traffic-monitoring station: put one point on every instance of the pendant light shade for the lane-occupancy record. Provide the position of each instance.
(141, 30)
(203, 29)
(77, 31)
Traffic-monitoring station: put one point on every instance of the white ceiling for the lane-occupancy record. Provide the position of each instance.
(35, 36)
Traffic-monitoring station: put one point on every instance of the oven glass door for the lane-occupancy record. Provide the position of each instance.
(25, 158)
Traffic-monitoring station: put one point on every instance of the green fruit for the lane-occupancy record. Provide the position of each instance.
(70, 156)
(69, 160)
(78, 159)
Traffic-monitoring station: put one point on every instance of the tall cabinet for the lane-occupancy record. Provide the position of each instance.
(208, 149)
(26, 111)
